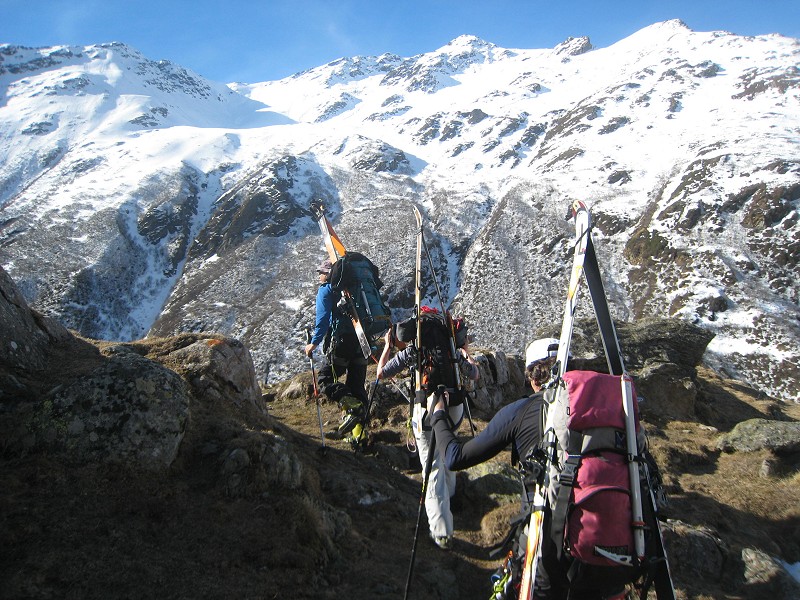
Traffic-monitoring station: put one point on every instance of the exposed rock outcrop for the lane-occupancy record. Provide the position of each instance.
(109, 402)
(27, 335)
(661, 355)
(762, 434)
(167, 444)
(130, 410)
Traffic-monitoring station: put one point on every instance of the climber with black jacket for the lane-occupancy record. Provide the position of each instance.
(518, 425)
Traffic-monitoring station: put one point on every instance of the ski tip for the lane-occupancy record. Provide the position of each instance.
(417, 216)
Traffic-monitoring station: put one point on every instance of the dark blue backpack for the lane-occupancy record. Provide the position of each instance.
(356, 274)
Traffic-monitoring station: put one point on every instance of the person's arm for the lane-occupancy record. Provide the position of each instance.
(387, 350)
(399, 362)
(324, 308)
(466, 359)
(498, 435)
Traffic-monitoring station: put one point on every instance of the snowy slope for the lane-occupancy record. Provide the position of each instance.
(137, 196)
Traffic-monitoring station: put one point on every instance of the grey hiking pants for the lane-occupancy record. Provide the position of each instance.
(442, 481)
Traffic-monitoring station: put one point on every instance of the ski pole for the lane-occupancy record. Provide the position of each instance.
(316, 390)
(472, 427)
(428, 466)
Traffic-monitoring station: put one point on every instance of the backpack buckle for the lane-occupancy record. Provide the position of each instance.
(570, 470)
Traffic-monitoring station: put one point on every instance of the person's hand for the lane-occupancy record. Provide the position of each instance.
(309, 349)
(389, 338)
(466, 359)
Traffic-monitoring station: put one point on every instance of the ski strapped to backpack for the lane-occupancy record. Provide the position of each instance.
(438, 337)
(592, 468)
(358, 280)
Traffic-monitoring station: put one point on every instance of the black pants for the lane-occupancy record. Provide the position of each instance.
(355, 371)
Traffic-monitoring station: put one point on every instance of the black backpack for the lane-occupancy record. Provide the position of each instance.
(438, 362)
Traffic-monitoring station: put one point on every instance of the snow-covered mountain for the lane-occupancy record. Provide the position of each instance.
(138, 198)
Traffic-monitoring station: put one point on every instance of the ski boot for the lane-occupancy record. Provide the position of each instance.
(358, 439)
(445, 542)
(353, 414)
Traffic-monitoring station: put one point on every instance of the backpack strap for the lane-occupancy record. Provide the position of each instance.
(566, 480)
(455, 397)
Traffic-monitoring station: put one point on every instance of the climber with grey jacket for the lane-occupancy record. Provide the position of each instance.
(520, 425)
(435, 343)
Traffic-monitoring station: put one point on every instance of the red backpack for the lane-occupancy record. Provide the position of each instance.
(589, 491)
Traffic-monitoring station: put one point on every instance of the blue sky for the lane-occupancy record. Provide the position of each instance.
(260, 40)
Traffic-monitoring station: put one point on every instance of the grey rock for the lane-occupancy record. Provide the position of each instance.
(26, 336)
(130, 410)
(782, 437)
(660, 354)
(499, 481)
(644, 342)
(694, 552)
(770, 467)
(666, 390)
(219, 368)
(768, 576)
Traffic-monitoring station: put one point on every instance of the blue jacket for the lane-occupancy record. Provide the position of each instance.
(327, 298)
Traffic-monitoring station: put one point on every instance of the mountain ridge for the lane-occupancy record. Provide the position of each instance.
(196, 217)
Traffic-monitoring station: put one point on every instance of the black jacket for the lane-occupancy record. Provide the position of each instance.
(517, 424)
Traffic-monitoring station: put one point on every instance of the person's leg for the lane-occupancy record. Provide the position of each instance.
(437, 499)
(356, 378)
(352, 397)
(336, 391)
(456, 416)
(328, 379)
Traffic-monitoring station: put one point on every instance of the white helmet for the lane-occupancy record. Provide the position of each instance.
(540, 350)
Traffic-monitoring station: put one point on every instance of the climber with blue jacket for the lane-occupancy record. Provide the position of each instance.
(334, 330)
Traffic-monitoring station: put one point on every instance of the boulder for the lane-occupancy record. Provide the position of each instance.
(113, 403)
(33, 348)
(767, 577)
(217, 367)
(695, 552)
(27, 336)
(781, 437)
(660, 354)
(130, 409)
(666, 389)
(501, 381)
